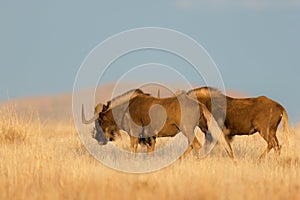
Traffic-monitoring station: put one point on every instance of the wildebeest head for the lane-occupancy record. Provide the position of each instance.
(105, 127)
(108, 128)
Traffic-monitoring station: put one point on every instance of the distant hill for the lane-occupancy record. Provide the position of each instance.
(59, 107)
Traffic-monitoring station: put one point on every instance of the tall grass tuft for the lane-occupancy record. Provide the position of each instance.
(15, 126)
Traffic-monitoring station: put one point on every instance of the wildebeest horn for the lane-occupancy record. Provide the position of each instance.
(84, 121)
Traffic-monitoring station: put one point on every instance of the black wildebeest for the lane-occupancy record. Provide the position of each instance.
(101, 108)
(244, 116)
(131, 113)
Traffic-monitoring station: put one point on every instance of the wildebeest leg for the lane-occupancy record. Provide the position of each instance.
(275, 142)
(151, 145)
(187, 151)
(195, 145)
(189, 133)
(208, 140)
(229, 150)
(150, 139)
(277, 147)
(272, 142)
(196, 142)
(134, 141)
(263, 155)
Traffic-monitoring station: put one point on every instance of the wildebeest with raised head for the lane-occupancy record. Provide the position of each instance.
(244, 116)
(130, 112)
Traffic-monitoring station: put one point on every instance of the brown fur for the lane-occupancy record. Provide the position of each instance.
(245, 116)
(135, 120)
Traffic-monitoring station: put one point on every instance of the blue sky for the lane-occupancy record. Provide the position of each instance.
(255, 44)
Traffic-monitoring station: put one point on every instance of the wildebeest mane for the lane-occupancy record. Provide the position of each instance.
(122, 98)
(207, 92)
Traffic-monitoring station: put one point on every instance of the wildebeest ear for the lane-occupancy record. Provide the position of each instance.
(105, 107)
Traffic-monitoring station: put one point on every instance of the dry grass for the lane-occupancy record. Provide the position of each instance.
(15, 127)
(51, 163)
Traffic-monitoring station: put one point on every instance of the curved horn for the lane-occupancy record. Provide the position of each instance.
(84, 121)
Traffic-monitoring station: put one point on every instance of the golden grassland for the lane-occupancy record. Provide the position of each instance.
(39, 160)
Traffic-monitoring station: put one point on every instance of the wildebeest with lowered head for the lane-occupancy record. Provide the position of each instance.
(244, 116)
(105, 111)
(100, 108)
(182, 113)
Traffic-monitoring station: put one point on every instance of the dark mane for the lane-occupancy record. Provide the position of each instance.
(122, 98)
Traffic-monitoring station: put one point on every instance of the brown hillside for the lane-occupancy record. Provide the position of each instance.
(59, 107)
